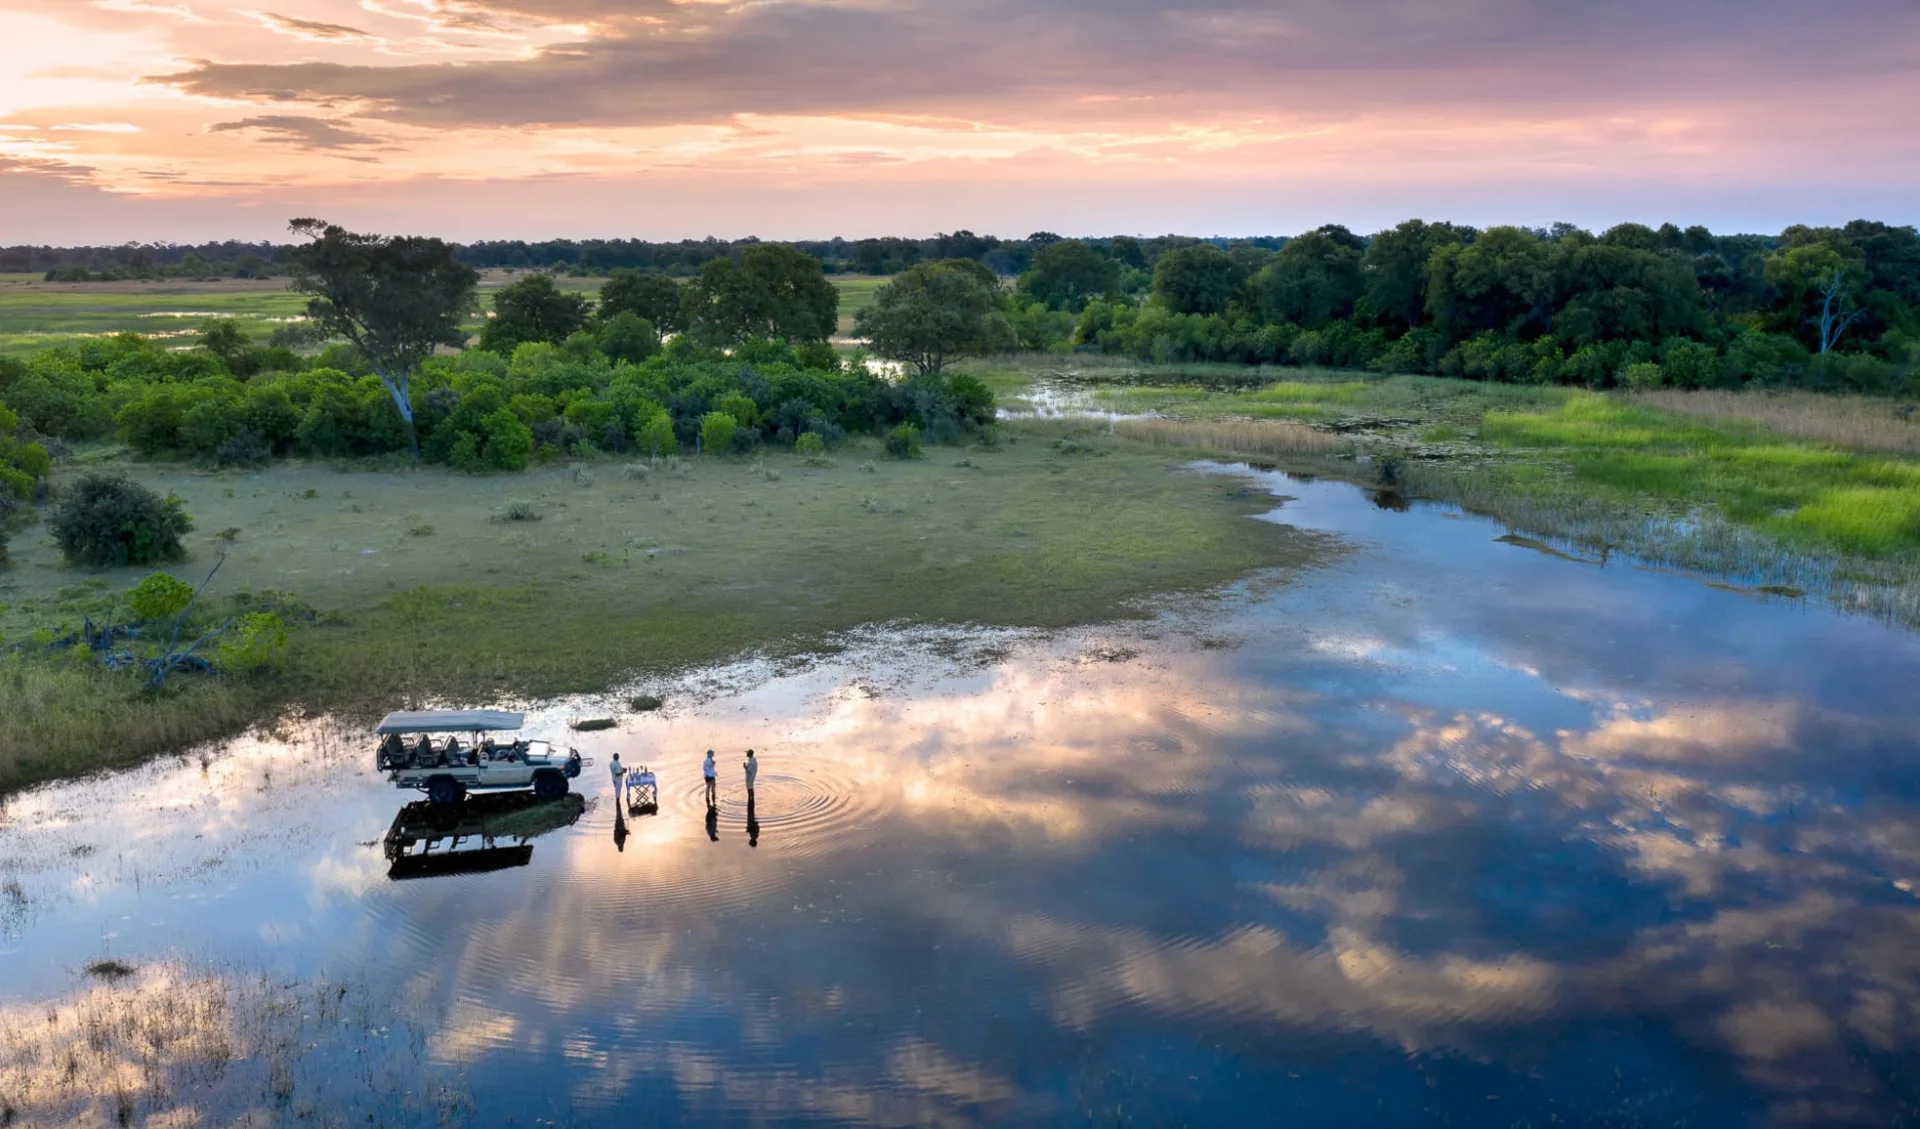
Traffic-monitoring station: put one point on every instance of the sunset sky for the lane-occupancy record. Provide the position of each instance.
(196, 119)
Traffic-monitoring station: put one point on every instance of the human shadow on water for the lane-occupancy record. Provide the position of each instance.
(713, 823)
(753, 822)
(619, 830)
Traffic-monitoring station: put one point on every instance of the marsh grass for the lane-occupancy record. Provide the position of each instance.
(1857, 422)
(483, 611)
(1255, 438)
(171, 1044)
(1807, 495)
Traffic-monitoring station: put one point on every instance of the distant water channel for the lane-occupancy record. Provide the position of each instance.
(1452, 831)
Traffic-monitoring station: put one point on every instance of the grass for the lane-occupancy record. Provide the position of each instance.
(170, 1044)
(621, 579)
(1257, 438)
(1859, 423)
(1811, 494)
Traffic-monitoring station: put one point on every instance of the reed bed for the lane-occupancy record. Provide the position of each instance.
(1257, 438)
(1858, 422)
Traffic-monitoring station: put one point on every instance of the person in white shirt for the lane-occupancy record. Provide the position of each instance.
(753, 769)
(707, 770)
(619, 776)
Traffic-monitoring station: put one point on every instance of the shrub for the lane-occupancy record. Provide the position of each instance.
(159, 597)
(903, 442)
(656, 438)
(247, 448)
(257, 643)
(716, 432)
(517, 509)
(1643, 376)
(810, 444)
(107, 520)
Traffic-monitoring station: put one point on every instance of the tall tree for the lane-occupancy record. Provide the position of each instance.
(1314, 279)
(1394, 269)
(1066, 273)
(935, 313)
(1201, 279)
(533, 309)
(396, 299)
(650, 295)
(1821, 282)
(772, 291)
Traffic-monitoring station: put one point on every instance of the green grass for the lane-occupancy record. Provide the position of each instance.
(620, 578)
(1803, 492)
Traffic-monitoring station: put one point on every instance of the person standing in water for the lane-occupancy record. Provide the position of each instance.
(753, 769)
(707, 770)
(619, 777)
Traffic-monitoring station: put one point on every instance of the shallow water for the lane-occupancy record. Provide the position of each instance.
(1451, 831)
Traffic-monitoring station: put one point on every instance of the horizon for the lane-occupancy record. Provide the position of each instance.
(189, 120)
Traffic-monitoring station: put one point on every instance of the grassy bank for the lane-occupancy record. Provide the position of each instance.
(426, 594)
(1794, 490)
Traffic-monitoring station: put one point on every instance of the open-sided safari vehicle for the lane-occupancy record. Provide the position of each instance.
(423, 750)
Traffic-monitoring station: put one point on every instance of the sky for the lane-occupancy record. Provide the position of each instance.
(184, 120)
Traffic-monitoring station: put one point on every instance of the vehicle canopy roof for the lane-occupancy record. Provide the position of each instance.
(450, 721)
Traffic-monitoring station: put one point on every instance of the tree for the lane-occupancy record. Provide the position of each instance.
(626, 336)
(396, 299)
(1315, 279)
(934, 313)
(1825, 277)
(1394, 269)
(771, 292)
(1066, 273)
(1501, 281)
(533, 309)
(1201, 279)
(650, 295)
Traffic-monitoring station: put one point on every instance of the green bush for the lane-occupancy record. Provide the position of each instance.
(903, 442)
(809, 444)
(1643, 376)
(107, 521)
(657, 437)
(716, 432)
(159, 597)
(257, 643)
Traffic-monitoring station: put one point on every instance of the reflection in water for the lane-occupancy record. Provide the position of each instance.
(1456, 831)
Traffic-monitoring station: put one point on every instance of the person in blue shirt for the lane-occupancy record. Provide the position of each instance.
(707, 770)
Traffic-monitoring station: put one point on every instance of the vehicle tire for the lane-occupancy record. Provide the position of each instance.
(549, 785)
(445, 791)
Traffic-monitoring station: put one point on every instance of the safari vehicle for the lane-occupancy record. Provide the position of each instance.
(423, 750)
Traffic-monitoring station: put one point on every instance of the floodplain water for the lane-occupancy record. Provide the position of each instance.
(1454, 830)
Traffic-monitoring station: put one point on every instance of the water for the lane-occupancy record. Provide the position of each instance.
(1452, 831)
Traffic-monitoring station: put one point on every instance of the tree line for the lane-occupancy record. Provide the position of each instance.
(682, 258)
(1831, 307)
(732, 360)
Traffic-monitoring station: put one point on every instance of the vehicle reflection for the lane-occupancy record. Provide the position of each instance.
(482, 833)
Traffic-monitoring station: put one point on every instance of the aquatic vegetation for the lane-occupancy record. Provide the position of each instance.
(1258, 438)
